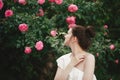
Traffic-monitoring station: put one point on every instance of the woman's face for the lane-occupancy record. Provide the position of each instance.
(68, 37)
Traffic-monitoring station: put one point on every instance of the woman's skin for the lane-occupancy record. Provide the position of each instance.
(80, 59)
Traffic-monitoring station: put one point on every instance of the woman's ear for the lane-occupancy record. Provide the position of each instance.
(74, 39)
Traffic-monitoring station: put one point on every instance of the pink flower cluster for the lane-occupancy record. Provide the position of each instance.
(41, 2)
(112, 47)
(23, 2)
(58, 2)
(39, 46)
(41, 12)
(23, 27)
(72, 8)
(1, 4)
(71, 21)
(8, 13)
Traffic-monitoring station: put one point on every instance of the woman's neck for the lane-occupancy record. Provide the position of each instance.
(77, 50)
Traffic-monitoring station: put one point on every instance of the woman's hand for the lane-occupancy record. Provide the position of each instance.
(75, 61)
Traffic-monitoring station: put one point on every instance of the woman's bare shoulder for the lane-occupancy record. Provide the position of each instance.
(90, 57)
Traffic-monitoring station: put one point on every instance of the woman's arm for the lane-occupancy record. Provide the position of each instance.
(89, 67)
(62, 74)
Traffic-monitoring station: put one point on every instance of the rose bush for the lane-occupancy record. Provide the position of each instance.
(32, 35)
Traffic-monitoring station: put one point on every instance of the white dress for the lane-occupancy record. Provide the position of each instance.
(75, 73)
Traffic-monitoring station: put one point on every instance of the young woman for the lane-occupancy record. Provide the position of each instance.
(78, 64)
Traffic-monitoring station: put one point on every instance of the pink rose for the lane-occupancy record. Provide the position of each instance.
(41, 12)
(23, 27)
(53, 33)
(51, 1)
(27, 50)
(39, 45)
(23, 2)
(8, 13)
(1, 4)
(112, 46)
(71, 25)
(105, 26)
(70, 20)
(41, 2)
(72, 8)
(58, 2)
(116, 61)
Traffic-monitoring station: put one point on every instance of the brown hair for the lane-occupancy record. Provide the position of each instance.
(84, 35)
